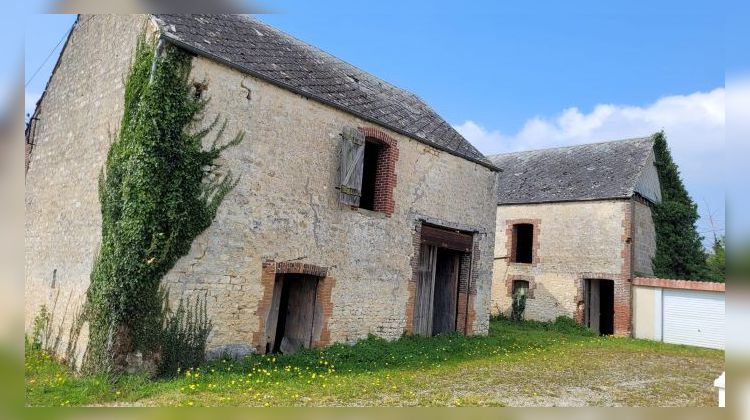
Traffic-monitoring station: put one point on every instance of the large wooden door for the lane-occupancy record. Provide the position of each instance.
(446, 292)
(593, 305)
(436, 298)
(423, 298)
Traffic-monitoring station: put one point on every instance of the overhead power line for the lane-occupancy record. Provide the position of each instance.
(65, 35)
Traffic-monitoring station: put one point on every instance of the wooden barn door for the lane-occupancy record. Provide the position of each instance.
(593, 304)
(436, 298)
(446, 292)
(424, 296)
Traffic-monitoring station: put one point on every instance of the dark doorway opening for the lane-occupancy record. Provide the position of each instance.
(293, 312)
(607, 311)
(369, 174)
(523, 235)
(600, 306)
(445, 302)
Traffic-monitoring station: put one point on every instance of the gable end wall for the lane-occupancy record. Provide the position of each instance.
(77, 119)
(284, 209)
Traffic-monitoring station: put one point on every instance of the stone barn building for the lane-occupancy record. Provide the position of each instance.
(359, 210)
(574, 228)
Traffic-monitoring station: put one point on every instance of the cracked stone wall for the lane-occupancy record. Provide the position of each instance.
(285, 206)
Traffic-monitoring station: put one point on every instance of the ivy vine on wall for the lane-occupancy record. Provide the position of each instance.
(159, 189)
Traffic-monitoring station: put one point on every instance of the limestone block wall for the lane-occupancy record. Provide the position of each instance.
(76, 121)
(573, 241)
(645, 239)
(285, 207)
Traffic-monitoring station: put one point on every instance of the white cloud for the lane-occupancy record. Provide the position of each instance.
(685, 119)
(694, 125)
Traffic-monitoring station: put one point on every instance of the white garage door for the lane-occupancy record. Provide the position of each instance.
(694, 317)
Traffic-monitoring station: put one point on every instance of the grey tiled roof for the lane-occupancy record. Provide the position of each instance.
(586, 172)
(265, 52)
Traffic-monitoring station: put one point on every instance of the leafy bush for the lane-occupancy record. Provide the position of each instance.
(184, 336)
(568, 325)
(561, 324)
(518, 307)
(41, 329)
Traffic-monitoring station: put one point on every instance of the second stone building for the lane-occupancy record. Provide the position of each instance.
(574, 227)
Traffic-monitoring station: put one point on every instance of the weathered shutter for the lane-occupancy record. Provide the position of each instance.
(352, 159)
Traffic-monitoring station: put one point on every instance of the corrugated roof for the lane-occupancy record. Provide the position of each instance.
(270, 54)
(575, 173)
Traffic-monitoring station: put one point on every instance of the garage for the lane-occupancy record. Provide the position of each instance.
(680, 311)
(694, 317)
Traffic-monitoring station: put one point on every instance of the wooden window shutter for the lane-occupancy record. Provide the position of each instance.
(352, 160)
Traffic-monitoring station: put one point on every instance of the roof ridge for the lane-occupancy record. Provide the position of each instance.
(252, 46)
(600, 170)
(571, 146)
(327, 54)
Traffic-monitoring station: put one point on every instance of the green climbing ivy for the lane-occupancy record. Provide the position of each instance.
(159, 189)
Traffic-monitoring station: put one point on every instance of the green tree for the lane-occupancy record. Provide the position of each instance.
(717, 261)
(679, 252)
(158, 190)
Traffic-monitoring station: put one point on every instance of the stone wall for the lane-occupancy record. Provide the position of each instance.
(77, 119)
(285, 207)
(645, 239)
(576, 241)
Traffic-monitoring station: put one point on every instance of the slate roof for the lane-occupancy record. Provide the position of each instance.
(575, 173)
(260, 50)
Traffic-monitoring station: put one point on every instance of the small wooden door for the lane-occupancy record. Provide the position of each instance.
(292, 315)
(300, 311)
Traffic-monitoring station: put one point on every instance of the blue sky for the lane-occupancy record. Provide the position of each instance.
(502, 68)
(515, 77)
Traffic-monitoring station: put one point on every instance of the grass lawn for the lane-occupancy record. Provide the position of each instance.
(527, 364)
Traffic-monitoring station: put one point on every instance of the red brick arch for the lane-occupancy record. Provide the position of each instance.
(510, 240)
(385, 179)
(322, 335)
(512, 278)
